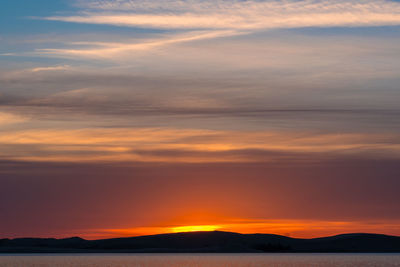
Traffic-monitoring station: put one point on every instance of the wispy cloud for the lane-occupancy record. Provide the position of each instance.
(188, 145)
(202, 20)
(105, 50)
(8, 118)
(51, 68)
(239, 15)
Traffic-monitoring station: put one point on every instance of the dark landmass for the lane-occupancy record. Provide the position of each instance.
(205, 242)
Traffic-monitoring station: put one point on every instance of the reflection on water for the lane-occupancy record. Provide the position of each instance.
(202, 260)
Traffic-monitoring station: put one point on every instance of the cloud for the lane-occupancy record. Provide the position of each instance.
(202, 20)
(189, 145)
(117, 92)
(52, 68)
(238, 15)
(104, 50)
(8, 118)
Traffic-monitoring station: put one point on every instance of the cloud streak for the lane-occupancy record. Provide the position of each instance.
(202, 20)
(52, 68)
(8, 118)
(188, 145)
(104, 50)
(238, 15)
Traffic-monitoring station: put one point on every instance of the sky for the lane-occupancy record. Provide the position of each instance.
(127, 117)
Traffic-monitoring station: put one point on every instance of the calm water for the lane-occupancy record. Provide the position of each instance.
(207, 260)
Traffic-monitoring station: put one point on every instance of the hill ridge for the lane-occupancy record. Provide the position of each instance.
(215, 241)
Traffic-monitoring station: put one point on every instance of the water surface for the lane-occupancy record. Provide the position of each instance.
(201, 260)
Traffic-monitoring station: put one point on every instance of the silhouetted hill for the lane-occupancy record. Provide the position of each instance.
(206, 242)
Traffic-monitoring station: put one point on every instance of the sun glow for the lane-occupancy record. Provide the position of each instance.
(195, 228)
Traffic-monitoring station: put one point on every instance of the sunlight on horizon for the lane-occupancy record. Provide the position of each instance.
(195, 228)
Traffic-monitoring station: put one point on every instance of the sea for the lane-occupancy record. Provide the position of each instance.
(200, 260)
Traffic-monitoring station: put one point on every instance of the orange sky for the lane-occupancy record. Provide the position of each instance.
(289, 198)
(296, 229)
(141, 117)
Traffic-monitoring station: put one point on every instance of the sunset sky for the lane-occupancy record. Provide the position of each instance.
(135, 117)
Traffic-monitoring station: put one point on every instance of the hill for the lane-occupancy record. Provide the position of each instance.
(199, 242)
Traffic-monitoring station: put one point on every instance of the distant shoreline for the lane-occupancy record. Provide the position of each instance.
(205, 242)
